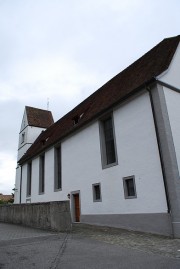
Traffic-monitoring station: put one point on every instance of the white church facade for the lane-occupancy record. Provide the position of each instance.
(116, 156)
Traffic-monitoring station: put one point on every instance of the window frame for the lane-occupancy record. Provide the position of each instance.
(29, 179)
(103, 144)
(94, 192)
(42, 173)
(126, 195)
(57, 168)
(22, 137)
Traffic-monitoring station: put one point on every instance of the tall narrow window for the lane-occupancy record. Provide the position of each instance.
(41, 173)
(108, 149)
(57, 168)
(29, 176)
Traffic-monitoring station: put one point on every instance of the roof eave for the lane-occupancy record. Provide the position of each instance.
(97, 115)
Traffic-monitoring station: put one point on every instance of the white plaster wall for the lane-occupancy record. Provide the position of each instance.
(81, 165)
(49, 193)
(35, 197)
(137, 155)
(24, 183)
(23, 150)
(172, 75)
(17, 186)
(31, 133)
(81, 162)
(24, 121)
(173, 107)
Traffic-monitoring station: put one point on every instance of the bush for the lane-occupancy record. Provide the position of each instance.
(10, 201)
(1, 202)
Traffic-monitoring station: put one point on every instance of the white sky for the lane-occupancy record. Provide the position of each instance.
(64, 50)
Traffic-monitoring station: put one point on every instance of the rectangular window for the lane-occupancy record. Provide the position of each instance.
(96, 192)
(57, 168)
(41, 173)
(107, 137)
(29, 176)
(129, 187)
(22, 138)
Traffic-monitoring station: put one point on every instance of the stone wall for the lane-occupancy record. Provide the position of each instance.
(52, 215)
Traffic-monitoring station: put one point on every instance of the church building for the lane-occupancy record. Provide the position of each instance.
(115, 156)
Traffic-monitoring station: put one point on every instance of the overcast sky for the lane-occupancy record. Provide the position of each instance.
(66, 49)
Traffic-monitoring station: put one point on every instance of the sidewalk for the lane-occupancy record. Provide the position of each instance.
(156, 244)
(86, 247)
(12, 231)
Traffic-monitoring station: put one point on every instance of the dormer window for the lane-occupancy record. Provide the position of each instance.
(76, 120)
(44, 140)
(81, 115)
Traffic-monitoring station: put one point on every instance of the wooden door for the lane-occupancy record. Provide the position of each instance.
(77, 207)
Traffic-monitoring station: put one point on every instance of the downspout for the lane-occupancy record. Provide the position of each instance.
(159, 149)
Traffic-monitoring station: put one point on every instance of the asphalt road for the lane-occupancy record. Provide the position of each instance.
(25, 248)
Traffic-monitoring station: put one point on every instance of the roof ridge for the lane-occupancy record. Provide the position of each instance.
(37, 108)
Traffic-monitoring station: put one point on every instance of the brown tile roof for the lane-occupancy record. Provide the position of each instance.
(39, 117)
(134, 77)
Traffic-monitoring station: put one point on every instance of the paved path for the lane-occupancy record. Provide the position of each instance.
(155, 244)
(84, 248)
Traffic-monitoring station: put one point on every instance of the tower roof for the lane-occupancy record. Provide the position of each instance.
(39, 117)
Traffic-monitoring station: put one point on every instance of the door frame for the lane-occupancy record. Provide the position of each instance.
(73, 205)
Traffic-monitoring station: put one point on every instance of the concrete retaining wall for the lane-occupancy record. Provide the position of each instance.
(53, 215)
(159, 223)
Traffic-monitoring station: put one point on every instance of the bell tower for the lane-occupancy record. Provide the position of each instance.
(34, 121)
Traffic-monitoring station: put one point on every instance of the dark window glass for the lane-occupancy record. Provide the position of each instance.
(29, 175)
(97, 192)
(109, 141)
(41, 173)
(130, 187)
(57, 180)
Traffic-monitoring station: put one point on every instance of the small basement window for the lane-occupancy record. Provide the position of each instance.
(97, 192)
(129, 187)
